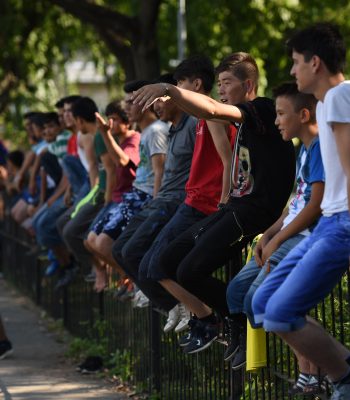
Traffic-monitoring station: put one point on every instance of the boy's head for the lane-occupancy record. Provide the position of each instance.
(195, 73)
(165, 108)
(238, 77)
(38, 120)
(52, 126)
(115, 111)
(133, 111)
(14, 161)
(84, 111)
(294, 110)
(68, 117)
(313, 49)
(27, 122)
(60, 111)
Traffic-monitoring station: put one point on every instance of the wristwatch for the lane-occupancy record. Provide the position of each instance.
(166, 87)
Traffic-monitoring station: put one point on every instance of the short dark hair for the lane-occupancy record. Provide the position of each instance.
(323, 40)
(71, 99)
(132, 86)
(242, 65)
(16, 157)
(60, 102)
(85, 108)
(299, 100)
(115, 107)
(51, 117)
(29, 115)
(38, 119)
(197, 66)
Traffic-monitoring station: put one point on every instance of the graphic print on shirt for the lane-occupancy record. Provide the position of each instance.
(243, 182)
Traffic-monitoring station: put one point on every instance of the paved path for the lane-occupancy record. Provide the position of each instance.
(37, 369)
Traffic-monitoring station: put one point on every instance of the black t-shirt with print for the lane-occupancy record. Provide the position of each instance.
(265, 163)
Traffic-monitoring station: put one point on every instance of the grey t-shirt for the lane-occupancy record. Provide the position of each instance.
(178, 159)
(154, 140)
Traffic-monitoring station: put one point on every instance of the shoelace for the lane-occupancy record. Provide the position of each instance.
(184, 313)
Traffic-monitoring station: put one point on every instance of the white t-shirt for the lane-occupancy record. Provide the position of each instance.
(334, 108)
(82, 154)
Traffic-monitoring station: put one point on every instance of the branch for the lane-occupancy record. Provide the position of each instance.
(99, 16)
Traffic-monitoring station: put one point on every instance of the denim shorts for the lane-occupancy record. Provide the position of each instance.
(305, 277)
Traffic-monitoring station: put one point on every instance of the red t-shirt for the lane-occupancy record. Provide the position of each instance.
(72, 145)
(126, 175)
(204, 185)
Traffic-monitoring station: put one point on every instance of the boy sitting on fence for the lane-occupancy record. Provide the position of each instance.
(316, 265)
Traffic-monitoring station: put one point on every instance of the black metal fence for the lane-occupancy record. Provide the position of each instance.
(155, 362)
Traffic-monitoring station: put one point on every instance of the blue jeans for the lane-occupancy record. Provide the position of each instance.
(242, 287)
(44, 224)
(77, 176)
(184, 218)
(305, 277)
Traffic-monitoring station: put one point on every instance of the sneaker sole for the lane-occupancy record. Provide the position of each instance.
(202, 348)
(239, 366)
(7, 353)
(231, 355)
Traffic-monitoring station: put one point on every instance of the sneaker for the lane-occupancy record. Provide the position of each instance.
(204, 335)
(185, 316)
(240, 357)
(52, 268)
(143, 301)
(91, 365)
(187, 338)
(5, 349)
(67, 278)
(173, 319)
(231, 336)
(90, 278)
(341, 391)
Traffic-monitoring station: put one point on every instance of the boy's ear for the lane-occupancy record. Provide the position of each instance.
(249, 86)
(198, 84)
(304, 115)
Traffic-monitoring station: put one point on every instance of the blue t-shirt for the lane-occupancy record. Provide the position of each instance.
(309, 170)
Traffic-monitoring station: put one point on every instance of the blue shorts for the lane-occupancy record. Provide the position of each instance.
(305, 277)
(119, 215)
(242, 287)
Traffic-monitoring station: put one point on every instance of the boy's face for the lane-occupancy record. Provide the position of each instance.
(287, 120)
(303, 73)
(80, 125)
(68, 116)
(231, 90)
(51, 131)
(119, 126)
(165, 109)
(133, 111)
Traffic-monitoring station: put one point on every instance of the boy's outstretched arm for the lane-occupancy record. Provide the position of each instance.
(196, 104)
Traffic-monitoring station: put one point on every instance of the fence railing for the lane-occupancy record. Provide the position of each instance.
(156, 363)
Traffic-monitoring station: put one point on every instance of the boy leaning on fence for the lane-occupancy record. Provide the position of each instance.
(316, 265)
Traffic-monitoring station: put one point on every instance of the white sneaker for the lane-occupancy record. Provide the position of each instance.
(185, 316)
(173, 319)
(142, 301)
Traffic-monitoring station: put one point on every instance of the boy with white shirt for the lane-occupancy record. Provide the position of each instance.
(316, 265)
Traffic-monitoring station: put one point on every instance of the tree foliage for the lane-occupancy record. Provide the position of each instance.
(139, 36)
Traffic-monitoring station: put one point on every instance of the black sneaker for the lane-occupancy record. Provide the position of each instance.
(232, 338)
(187, 338)
(240, 358)
(5, 349)
(204, 335)
(67, 278)
(91, 365)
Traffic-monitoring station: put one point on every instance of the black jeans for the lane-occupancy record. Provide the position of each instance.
(211, 243)
(136, 239)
